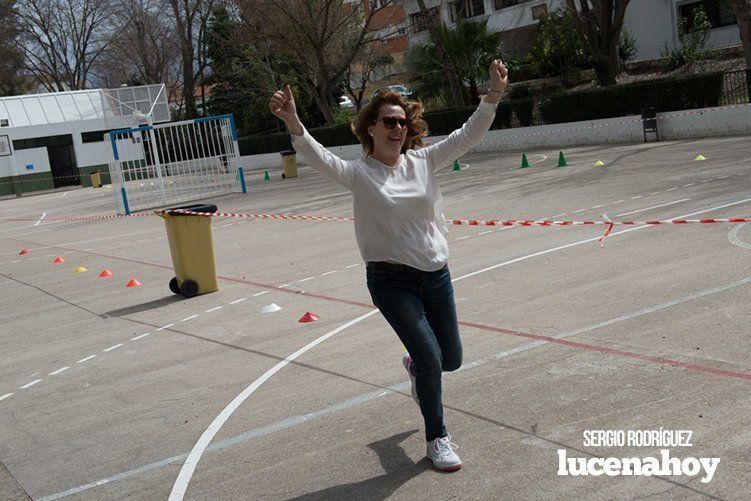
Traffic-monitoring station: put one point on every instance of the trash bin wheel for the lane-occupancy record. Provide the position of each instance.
(189, 288)
(173, 286)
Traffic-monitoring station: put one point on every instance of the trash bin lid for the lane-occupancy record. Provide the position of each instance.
(287, 153)
(193, 208)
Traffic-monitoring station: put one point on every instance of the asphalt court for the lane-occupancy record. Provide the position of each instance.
(107, 392)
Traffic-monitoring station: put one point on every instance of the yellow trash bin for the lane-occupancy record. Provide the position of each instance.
(289, 159)
(96, 179)
(192, 248)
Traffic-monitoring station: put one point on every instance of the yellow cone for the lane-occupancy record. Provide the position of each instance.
(599, 163)
(80, 269)
(699, 158)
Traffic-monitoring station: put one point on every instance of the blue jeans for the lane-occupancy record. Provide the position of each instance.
(419, 306)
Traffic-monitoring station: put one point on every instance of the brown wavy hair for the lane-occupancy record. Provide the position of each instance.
(368, 115)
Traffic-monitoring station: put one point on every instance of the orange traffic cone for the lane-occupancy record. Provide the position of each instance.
(58, 259)
(309, 317)
(23, 251)
(133, 283)
(105, 273)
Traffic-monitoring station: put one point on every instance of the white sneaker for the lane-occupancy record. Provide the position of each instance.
(410, 368)
(441, 452)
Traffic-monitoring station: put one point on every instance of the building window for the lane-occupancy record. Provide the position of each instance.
(719, 13)
(502, 4)
(420, 21)
(94, 136)
(464, 9)
(538, 11)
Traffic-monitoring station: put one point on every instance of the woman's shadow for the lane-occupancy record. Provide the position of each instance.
(399, 468)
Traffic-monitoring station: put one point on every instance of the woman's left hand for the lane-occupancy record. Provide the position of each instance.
(498, 75)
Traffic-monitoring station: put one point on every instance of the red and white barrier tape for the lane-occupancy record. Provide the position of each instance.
(489, 222)
(76, 218)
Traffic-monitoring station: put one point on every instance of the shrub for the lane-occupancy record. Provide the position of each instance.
(693, 39)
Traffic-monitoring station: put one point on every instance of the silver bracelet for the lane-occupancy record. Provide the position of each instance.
(493, 92)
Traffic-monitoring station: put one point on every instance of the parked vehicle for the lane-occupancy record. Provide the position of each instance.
(346, 103)
(400, 88)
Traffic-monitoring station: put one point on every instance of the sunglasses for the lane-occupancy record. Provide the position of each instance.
(390, 122)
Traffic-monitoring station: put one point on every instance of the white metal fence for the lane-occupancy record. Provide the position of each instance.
(167, 164)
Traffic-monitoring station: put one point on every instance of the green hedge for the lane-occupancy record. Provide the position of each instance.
(668, 94)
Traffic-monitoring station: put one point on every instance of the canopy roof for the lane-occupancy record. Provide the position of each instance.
(56, 107)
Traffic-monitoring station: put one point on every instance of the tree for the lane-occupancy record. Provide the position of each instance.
(12, 81)
(742, 9)
(321, 37)
(62, 39)
(599, 26)
(146, 49)
(191, 21)
(469, 49)
(435, 24)
(361, 72)
(557, 49)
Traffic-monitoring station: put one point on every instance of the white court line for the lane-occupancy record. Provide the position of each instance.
(61, 369)
(188, 318)
(165, 327)
(214, 309)
(306, 279)
(352, 265)
(328, 273)
(186, 472)
(139, 337)
(188, 468)
(733, 237)
(113, 347)
(3, 397)
(653, 207)
(40, 219)
(86, 359)
(593, 239)
(29, 385)
(238, 300)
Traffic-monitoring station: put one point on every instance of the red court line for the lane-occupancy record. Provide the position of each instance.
(612, 351)
(498, 330)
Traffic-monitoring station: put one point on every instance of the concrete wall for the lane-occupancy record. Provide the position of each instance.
(699, 123)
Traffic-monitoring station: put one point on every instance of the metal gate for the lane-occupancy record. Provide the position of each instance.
(171, 163)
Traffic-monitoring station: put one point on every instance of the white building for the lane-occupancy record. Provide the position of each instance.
(57, 139)
(654, 23)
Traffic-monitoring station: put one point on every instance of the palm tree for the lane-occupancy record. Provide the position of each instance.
(469, 46)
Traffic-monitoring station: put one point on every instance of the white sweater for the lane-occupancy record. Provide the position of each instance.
(398, 210)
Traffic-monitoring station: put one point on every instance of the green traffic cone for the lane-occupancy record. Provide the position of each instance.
(456, 165)
(525, 162)
(266, 176)
(561, 160)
